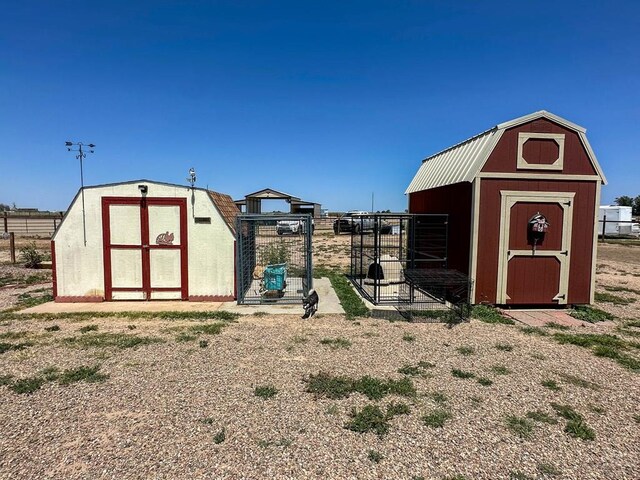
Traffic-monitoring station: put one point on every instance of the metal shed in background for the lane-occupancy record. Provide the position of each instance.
(522, 200)
(252, 203)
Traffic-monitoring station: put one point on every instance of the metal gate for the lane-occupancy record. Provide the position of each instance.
(273, 258)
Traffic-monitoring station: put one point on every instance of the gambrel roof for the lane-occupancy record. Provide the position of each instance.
(462, 162)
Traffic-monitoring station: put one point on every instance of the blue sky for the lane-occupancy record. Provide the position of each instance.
(329, 101)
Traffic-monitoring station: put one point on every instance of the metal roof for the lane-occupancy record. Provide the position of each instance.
(463, 161)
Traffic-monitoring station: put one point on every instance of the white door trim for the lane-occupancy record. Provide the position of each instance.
(508, 199)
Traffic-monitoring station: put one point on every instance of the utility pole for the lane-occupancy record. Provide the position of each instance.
(81, 156)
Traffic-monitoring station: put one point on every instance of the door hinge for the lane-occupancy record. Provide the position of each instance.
(568, 204)
(566, 252)
(558, 297)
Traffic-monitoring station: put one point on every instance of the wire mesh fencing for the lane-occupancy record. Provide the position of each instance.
(273, 258)
(401, 260)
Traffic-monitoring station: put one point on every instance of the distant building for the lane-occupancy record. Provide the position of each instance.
(252, 203)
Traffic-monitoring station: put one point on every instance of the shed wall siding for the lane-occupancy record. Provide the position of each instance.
(80, 268)
(454, 200)
(581, 240)
(503, 158)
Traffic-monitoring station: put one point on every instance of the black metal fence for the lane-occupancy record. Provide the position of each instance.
(401, 260)
(273, 258)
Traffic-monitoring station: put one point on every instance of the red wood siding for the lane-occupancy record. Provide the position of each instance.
(522, 212)
(524, 288)
(504, 156)
(454, 200)
(489, 232)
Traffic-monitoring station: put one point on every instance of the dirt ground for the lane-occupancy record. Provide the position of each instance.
(179, 400)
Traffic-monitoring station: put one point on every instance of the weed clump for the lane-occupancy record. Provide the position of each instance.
(265, 391)
(489, 315)
(436, 418)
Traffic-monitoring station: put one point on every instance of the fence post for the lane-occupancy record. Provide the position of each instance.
(12, 247)
(6, 225)
(604, 225)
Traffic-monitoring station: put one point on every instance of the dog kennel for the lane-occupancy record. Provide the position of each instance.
(403, 262)
(273, 255)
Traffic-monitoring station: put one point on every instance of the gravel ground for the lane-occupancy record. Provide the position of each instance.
(158, 412)
(147, 420)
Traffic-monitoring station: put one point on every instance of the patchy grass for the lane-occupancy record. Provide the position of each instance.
(265, 391)
(330, 386)
(350, 301)
(219, 437)
(549, 469)
(52, 328)
(207, 328)
(489, 315)
(550, 384)
(7, 347)
(114, 340)
(82, 374)
(576, 426)
(504, 347)
(336, 387)
(577, 381)
(370, 419)
(436, 418)
(420, 369)
(88, 328)
(518, 475)
(590, 314)
(26, 300)
(461, 373)
(6, 379)
(375, 456)
(27, 385)
(534, 331)
(500, 370)
(203, 343)
(603, 345)
(13, 335)
(466, 351)
(185, 337)
(407, 337)
(621, 289)
(485, 382)
(611, 298)
(336, 343)
(542, 417)
(556, 326)
(522, 427)
(579, 429)
(19, 281)
(439, 397)
(86, 316)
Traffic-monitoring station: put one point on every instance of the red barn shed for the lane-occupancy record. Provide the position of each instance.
(522, 200)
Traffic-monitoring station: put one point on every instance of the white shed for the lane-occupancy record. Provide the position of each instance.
(145, 240)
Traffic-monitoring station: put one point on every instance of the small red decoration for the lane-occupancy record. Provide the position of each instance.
(165, 239)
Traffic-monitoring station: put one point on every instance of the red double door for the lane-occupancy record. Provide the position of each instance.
(145, 248)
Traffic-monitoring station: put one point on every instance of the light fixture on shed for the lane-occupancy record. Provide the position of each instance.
(143, 189)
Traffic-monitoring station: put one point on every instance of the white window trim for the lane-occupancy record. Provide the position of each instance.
(558, 164)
